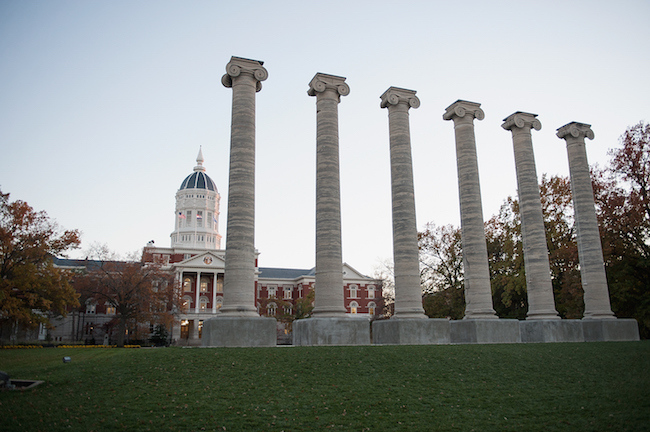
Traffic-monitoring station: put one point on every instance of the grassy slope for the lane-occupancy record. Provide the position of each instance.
(583, 386)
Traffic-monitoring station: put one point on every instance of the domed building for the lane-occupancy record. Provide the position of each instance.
(198, 262)
(197, 211)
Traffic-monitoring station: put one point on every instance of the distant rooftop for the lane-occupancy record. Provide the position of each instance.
(285, 273)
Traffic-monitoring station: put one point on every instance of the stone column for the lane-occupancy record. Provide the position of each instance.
(329, 324)
(214, 293)
(328, 300)
(244, 77)
(198, 293)
(478, 295)
(408, 293)
(541, 304)
(240, 324)
(590, 253)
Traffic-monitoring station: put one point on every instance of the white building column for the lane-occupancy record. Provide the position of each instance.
(240, 324)
(329, 298)
(198, 291)
(478, 294)
(409, 325)
(541, 304)
(480, 324)
(590, 252)
(214, 293)
(408, 292)
(329, 324)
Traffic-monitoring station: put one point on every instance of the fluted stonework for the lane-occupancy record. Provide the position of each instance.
(239, 324)
(408, 293)
(541, 304)
(329, 324)
(590, 252)
(328, 300)
(478, 295)
(244, 77)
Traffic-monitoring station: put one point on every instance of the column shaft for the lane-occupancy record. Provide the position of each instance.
(408, 292)
(590, 252)
(541, 304)
(198, 292)
(478, 294)
(329, 296)
(244, 77)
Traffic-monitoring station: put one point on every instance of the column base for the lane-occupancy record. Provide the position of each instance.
(484, 331)
(596, 330)
(331, 331)
(396, 331)
(553, 330)
(239, 332)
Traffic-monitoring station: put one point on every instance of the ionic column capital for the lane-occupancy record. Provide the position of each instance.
(521, 120)
(461, 108)
(395, 95)
(322, 82)
(575, 130)
(238, 66)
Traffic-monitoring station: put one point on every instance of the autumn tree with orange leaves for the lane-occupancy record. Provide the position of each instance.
(32, 290)
(142, 294)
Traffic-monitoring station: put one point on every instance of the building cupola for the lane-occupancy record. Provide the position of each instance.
(197, 211)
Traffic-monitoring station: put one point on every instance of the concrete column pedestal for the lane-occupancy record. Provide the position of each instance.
(225, 331)
(553, 330)
(484, 331)
(395, 331)
(331, 331)
(609, 330)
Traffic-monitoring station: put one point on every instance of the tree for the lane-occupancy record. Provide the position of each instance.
(506, 261)
(31, 288)
(441, 271)
(142, 294)
(385, 272)
(624, 216)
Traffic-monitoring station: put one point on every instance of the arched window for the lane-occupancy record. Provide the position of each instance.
(203, 304)
(186, 304)
(205, 281)
(219, 302)
(91, 306)
(354, 306)
(271, 309)
(187, 284)
(110, 309)
(371, 308)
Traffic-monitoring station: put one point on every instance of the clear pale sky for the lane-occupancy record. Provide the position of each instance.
(103, 106)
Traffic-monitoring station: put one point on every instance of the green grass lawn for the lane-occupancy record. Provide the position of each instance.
(523, 387)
